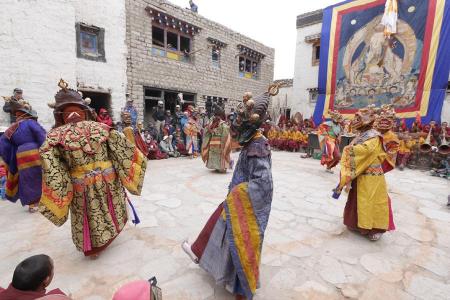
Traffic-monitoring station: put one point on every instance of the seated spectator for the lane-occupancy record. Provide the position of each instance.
(153, 149)
(139, 290)
(30, 280)
(166, 146)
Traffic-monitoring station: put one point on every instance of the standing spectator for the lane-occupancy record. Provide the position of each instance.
(104, 117)
(191, 130)
(31, 279)
(160, 119)
(129, 107)
(194, 7)
(202, 124)
(7, 107)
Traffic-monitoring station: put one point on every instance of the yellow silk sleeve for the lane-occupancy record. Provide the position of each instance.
(57, 189)
(129, 163)
(357, 158)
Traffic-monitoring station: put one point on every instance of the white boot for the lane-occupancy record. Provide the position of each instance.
(187, 249)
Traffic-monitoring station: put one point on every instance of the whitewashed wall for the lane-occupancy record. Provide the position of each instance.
(305, 74)
(445, 116)
(38, 47)
(284, 96)
(111, 75)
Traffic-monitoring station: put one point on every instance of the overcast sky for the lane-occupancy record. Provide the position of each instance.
(269, 22)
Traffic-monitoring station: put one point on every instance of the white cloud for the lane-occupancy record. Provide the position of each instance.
(269, 22)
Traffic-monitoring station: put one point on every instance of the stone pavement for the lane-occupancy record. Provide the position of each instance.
(308, 254)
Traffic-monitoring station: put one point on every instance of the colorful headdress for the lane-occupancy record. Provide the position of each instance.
(252, 112)
(21, 105)
(385, 120)
(126, 117)
(218, 110)
(364, 117)
(65, 97)
(335, 116)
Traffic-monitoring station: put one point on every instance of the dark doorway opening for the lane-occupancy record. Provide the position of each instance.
(99, 100)
(170, 101)
(168, 97)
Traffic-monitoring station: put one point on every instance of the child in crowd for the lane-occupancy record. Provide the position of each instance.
(31, 279)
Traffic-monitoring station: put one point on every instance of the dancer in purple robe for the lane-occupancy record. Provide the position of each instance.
(19, 149)
(229, 246)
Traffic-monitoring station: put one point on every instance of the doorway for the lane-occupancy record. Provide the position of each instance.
(99, 100)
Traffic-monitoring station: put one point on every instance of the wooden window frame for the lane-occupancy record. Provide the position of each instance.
(216, 63)
(100, 35)
(252, 61)
(314, 60)
(179, 35)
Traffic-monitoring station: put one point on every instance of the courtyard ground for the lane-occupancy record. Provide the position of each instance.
(307, 254)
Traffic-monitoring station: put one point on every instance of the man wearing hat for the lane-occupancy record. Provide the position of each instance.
(166, 146)
(159, 115)
(129, 108)
(7, 107)
(19, 149)
(86, 167)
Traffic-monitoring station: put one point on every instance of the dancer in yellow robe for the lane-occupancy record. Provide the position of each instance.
(368, 208)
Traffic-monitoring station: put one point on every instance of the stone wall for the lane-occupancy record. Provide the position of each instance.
(198, 77)
(38, 47)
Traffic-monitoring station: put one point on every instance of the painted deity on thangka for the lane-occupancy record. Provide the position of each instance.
(229, 246)
(86, 167)
(373, 69)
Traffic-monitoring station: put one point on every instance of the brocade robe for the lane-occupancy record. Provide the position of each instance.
(85, 169)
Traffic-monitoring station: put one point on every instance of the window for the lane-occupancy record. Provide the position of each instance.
(171, 44)
(216, 50)
(215, 57)
(172, 41)
(90, 42)
(241, 64)
(313, 95)
(316, 53)
(158, 36)
(185, 44)
(248, 68)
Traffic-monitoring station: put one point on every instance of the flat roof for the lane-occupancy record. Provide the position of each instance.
(310, 18)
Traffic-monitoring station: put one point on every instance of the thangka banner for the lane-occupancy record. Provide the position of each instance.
(359, 66)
